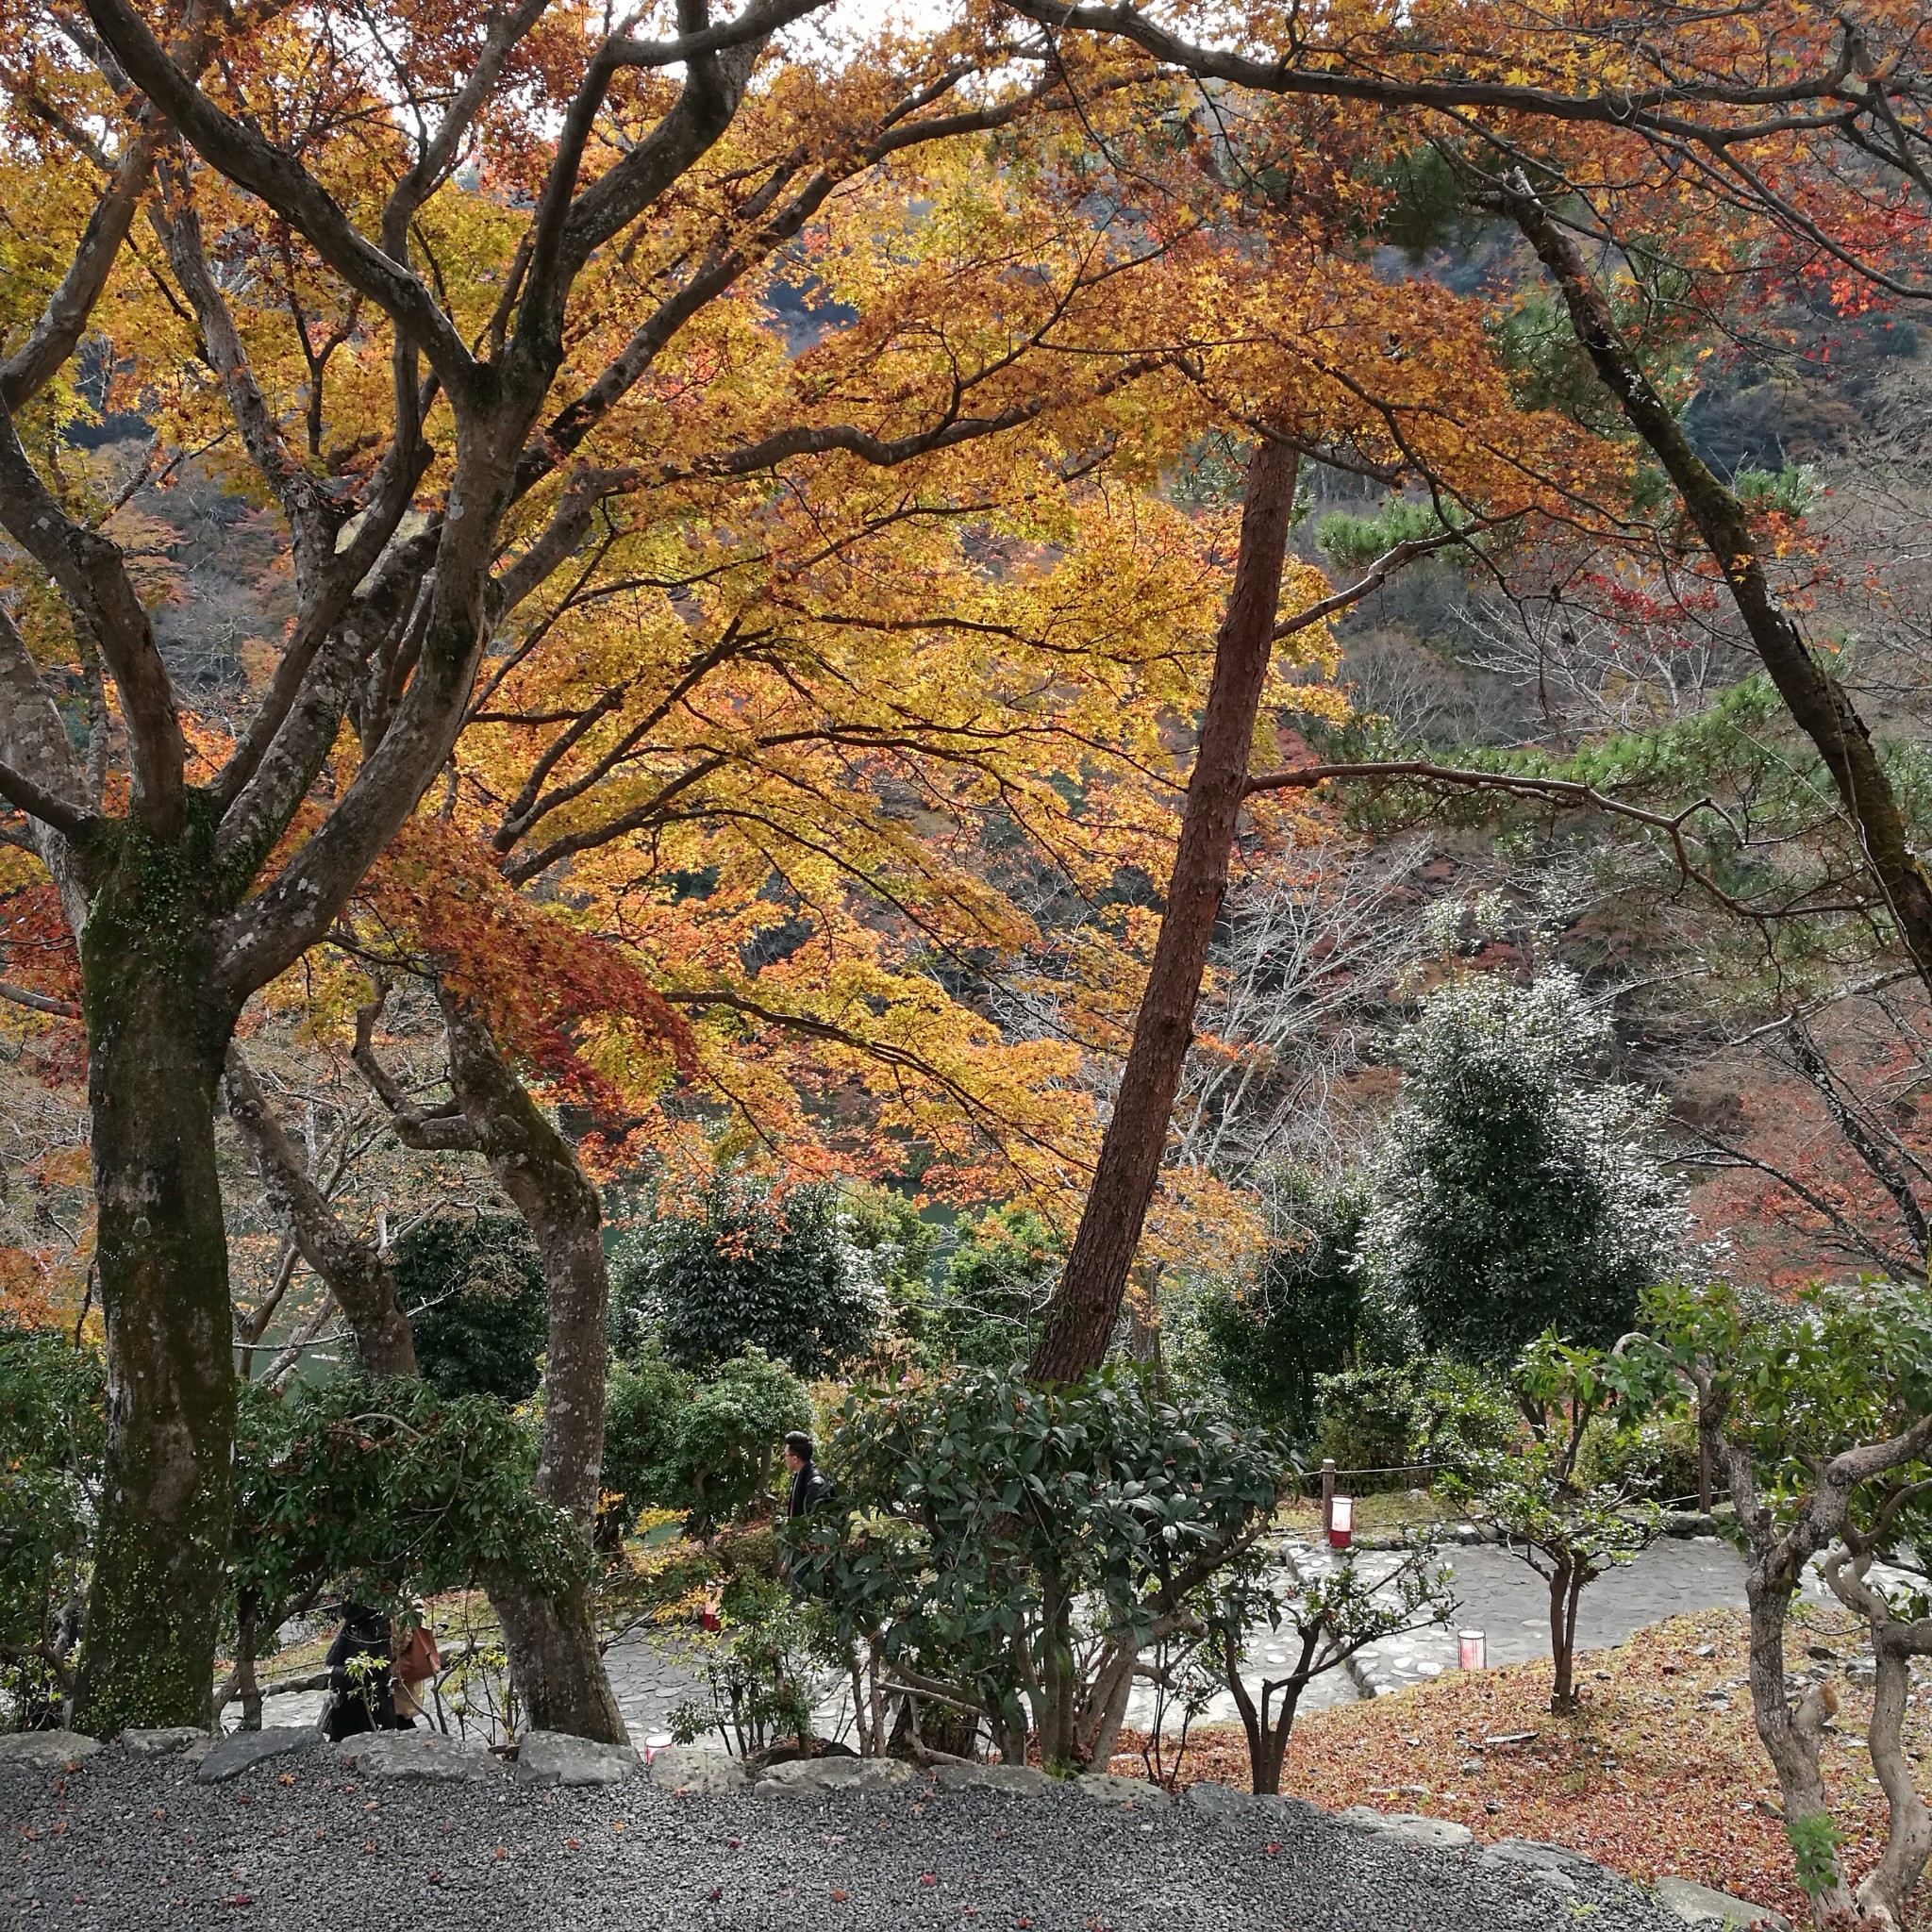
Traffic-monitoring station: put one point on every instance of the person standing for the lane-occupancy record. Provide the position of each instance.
(362, 1696)
(809, 1486)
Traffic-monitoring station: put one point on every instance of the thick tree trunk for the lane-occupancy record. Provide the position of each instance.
(1791, 1738)
(552, 1641)
(157, 1034)
(556, 1665)
(1080, 1316)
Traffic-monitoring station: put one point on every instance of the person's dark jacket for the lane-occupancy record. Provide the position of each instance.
(809, 1488)
(363, 1697)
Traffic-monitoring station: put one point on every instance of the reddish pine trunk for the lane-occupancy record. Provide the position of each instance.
(1080, 1317)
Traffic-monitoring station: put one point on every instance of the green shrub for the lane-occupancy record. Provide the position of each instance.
(898, 1248)
(643, 1398)
(53, 1435)
(1023, 1546)
(995, 1289)
(1367, 1418)
(1655, 1460)
(1517, 1195)
(752, 1268)
(1401, 1420)
(759, 1670)
(404, 1489)
(1269, 1336)
(472, 1287)
(722, 1453)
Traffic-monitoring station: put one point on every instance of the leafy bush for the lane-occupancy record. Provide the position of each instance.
(1269, 1336)
(722, 1451)
(1367, 1418)
(758, 1671)
(996, 1286)
(1655, 1459)
(1396, 1418)
(1016, 1549)
(643, 1398)
(1516, 1196)
(472, 1287)
(706, 1445)
(752, 1268)
(393, 1485)
(885, 1232)
(53, 1435)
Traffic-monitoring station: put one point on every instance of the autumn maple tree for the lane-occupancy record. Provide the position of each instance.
(398, 266)
(480, 309)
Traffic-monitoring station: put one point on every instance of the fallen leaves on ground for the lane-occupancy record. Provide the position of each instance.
(1660, 1772)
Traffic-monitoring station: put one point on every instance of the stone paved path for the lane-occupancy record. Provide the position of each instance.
(1500, 1597)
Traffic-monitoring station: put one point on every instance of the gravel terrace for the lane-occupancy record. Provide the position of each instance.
(305, 1842)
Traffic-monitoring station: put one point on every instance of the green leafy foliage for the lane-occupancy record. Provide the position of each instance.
(1797, 1385)
(759, 1668)
(1269, 1336)
(1815, 1840)
(996, 1288)
(897, 1248)
(1567, 1529)
(1023, 1546)
(1352, 542)
(53, 1434)
(392, 1486)
(705, 1445)
(1398, 1418)
(1790, 491)
(720, 1452)
(1367, 1418)
(472, 1287)
(753, 1268)
(643, 1400)
(1517, 1195)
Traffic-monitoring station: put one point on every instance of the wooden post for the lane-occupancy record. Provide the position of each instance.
(1703, 1471)
(1327, 1495)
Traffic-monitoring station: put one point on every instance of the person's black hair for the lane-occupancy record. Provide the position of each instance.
(799, 1444)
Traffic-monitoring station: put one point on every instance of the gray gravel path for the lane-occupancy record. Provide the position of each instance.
(126, 1845)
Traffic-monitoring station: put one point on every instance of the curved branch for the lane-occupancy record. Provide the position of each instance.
(64, 320)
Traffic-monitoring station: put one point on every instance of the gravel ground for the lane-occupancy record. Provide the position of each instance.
(126, 1844)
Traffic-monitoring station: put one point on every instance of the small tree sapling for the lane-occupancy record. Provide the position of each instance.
(1820, 1418)
(1330, 1617)
(1570, 1531)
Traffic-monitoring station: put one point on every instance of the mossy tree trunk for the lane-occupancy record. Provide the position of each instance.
(551, 1640)
(158, 1030)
